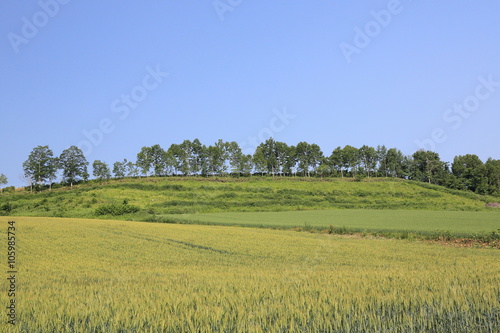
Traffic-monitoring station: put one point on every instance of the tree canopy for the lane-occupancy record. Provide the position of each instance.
(73, 164)
(41, 166)
(3, 181)
(222, 158)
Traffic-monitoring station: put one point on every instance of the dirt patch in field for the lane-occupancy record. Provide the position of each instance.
(467, 243)
(493, 204)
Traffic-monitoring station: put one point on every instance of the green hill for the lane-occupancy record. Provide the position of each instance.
(145, 198)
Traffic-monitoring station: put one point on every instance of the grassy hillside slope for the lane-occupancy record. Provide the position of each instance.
(158, 196)
(114, 276)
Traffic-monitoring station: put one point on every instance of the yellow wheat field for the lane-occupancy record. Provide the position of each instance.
(112, 276)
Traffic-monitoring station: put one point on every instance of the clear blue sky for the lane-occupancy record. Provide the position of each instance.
(68, 68)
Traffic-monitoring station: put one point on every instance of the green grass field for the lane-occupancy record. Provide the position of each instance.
(413, 220)
(77, 275)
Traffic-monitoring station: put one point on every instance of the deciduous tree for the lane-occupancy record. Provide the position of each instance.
(73, 164)
(290, 163)
(198, 156)
(154, 158)
(132, 169)
(368, 157)
(308, 156)
(428, 167)
(350, 158)
(382, 161)
(41, 166)
(3, 181)
(493, 175)
(144, 160)
(394, 162)
(337, 160)
(270, 156)
(120, 168)
(470, 170)
(100, 170)
(158, 160)
(218, 157)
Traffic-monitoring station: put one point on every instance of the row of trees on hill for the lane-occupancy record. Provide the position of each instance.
(271, 157)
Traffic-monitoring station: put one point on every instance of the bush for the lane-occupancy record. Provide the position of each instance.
(116, 210)
(340, 230)
(9, 189)
(359, 177)
(6, 208)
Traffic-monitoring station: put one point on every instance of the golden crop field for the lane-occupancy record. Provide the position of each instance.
(112, 276)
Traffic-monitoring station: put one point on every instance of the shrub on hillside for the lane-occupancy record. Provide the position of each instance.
(116, 210)
(9, 189)
(6, 208)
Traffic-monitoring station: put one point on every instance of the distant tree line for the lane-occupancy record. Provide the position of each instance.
(274, 158)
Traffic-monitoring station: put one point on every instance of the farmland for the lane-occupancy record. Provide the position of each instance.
(90, 260)
(418, 221)
(106, 275)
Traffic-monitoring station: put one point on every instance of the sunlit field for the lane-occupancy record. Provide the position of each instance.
(80, 275)
(414, 220)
